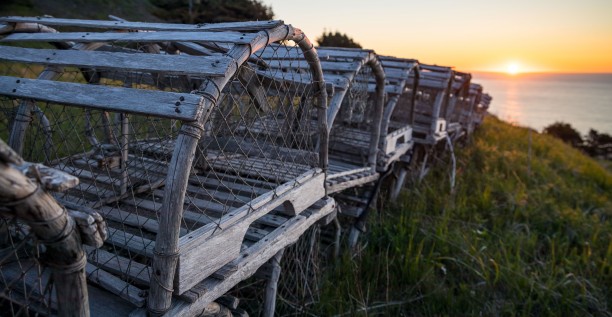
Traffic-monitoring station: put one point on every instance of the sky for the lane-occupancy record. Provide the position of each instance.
(472, 35)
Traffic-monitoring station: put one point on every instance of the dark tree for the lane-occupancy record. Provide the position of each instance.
(597, 143)
(565, 132)
(337, 39)
(209, 11)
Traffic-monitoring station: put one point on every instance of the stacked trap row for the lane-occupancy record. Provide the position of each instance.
(207, 148)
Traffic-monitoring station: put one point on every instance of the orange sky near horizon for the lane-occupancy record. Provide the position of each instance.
(565, 36)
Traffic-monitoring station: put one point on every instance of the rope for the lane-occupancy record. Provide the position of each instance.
(62, 235)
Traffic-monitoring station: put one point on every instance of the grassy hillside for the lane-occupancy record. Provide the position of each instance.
(527, 232)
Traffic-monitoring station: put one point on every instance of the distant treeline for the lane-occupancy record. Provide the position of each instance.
(594, 143)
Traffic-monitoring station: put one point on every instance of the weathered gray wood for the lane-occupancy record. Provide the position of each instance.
(347, 66)
(51, 179)
(167, 245)
(360, 179)
(115, 285)
(52, 227)
(148, 102)
(125, 25)
(130, 242)
(24, 113)
(272, 285)
(169, 64)
(253, 258)
(113, 263)
(139, 37)
(223, 238)
(228, 301)
(348, 172)
(324, 53)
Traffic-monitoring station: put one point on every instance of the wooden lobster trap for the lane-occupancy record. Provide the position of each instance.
(402, 76)
(164, 124)
(355, 81)
(354, 113)
(432, 100)
(481, 108)
(467, 112)
(458, 100)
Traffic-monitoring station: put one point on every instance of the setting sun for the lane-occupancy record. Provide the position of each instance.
(513, 69)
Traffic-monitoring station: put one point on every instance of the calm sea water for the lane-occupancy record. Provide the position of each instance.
(537, 100)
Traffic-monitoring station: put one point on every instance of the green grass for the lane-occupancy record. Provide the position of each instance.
(528, 232)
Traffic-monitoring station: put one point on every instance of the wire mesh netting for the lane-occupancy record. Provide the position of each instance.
(298, 287)
(258, 136)
(350, 135)
(27, 284)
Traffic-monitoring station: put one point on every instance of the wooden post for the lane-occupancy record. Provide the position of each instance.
(125, 139)
(272, 285)
(51, 225)
(399, 182)
(24, 113)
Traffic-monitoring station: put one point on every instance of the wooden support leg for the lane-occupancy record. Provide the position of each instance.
(424, 168)
(454, 162)
(399, 183)
(353, 237)
(272, 285)
(338, 236)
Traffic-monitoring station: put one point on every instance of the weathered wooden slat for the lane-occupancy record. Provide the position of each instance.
(325, 54)
(113, 263)
(252, 259)
(349, 172)
(223, 238)
(338, 81)
(348, 66)
(391, 73)
(115, 285)
(359, 179)
(125, 25)
(435, 68)
(389, 89)
(432, 83)
(139, 37)
(133, 243)
(147, 102)
(171, 64)
(398, 64)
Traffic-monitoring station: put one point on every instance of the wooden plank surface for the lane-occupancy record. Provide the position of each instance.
(398, 64)
(223, 238)
(252, 259)
(325, 54)
(125, 25)
(148, 102)
(171, 64)
(140, 37)
(341, 66)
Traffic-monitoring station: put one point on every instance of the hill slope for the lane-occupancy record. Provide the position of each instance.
(527, 232)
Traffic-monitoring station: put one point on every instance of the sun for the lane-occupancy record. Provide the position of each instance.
(513, 69)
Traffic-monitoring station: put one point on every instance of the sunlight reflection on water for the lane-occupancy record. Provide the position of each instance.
(537, 100)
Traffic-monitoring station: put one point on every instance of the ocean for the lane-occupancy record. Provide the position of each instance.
(538, 100)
